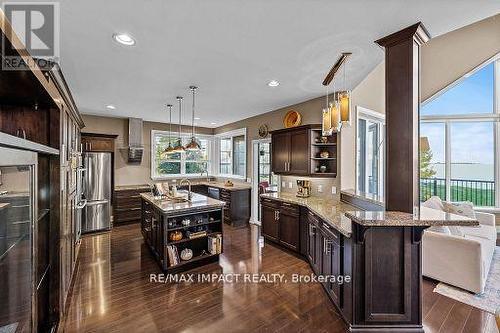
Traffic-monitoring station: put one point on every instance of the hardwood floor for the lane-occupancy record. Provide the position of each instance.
(112, 293)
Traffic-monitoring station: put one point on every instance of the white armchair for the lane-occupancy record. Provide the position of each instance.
(462, 260)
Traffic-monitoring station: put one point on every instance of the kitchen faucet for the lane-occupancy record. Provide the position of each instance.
(189, 187)
(206, 172)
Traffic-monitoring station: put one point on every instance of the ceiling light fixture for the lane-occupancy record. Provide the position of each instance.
(169, 149)
(273, 83)
(178, 147)
(193, 145)
(197, 118)
(213, 123)
(110, 107)
(124, 39)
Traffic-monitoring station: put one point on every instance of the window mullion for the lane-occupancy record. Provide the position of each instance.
(447, 160)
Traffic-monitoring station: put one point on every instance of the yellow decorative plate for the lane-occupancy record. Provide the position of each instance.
(292, 119)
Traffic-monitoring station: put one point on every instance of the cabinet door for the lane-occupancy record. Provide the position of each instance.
(280, 146)
(270, 226)
(299, 152)
(289, 229)
(97, 144)
(318, 258)
(335, 289)
(326, 263)
(312, 250)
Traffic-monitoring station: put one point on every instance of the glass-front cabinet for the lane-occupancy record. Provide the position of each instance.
(17, 227)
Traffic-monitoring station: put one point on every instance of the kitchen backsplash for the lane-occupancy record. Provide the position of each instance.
(321, 187)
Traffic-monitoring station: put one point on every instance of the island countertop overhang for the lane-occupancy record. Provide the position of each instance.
(170, 207)
(422, 217)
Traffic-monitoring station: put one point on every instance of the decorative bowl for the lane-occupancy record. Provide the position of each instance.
(186, 254)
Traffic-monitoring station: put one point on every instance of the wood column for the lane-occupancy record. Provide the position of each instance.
(402, 103)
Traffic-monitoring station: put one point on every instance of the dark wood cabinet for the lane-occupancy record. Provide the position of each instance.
(98, 142)
(302, 231)
(291, 151)
(127, 205)
(303, 151)
(280, 223)
(300, 152)
(280, 154)
(288, 221)
(269, 220)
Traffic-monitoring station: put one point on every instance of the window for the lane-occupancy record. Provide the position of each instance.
(232, 156)
(460, 134)
(369, 152)
(189, 163)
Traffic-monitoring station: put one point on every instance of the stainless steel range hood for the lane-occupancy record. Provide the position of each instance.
(135, 144)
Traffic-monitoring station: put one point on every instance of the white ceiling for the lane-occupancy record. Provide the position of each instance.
(231, 49)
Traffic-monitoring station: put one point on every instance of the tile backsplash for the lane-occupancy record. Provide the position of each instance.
(321, 187)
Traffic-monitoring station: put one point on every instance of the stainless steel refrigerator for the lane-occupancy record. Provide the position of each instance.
(97, 192)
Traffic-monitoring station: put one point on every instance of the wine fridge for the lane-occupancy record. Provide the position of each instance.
(18, 211)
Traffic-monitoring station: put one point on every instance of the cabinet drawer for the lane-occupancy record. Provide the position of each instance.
(124, 215)
(269, 202)
(130, 202)
(330, 232)
(289, 208)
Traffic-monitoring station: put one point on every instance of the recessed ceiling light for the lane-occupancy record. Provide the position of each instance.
(213, 123)
(197, 118)
(273, 83)
(124, 39)
(110, 107)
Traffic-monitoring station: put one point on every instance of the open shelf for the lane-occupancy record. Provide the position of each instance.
(194, 259)
(323, 158)
(184, 227)
(184, 240)
(324, 144)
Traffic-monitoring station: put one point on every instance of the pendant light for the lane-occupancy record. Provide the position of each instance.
(326, 127)
(344, 103)
(178, 147)
(169, 149)
(193, 145)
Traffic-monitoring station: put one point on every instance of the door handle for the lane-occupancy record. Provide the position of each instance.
(278, 215)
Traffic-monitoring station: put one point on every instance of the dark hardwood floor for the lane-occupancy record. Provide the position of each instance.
(112, 293)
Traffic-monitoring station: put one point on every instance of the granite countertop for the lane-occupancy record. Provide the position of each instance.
(330, 210)
(425, 217)
(131, 187)
(197, 202)
(364, 196)
(4, 205)
(14, 194)
(237, 185)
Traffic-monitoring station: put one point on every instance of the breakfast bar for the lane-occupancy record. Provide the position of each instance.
(379, 250)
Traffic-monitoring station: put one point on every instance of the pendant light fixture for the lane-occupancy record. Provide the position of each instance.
(336, 113)
(344, 103)
(178, 147)
(193, 145)
(169, 149)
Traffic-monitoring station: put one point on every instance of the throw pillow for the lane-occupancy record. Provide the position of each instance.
(465, 208)
(434, 202)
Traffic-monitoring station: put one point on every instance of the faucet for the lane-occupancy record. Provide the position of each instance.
(206, 172)
(185, 180)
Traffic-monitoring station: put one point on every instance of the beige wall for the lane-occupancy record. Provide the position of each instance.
(369, 94)
(310, 111)
(448, 57)
(130, 174)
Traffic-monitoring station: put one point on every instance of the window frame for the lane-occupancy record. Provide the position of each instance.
(373, 116)
(493, 117)
(183, 160)
(230, 135)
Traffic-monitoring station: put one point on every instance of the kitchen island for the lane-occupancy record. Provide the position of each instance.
(379, 251)
(182, 234)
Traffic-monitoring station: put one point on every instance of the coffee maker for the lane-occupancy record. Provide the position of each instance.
(304, 188)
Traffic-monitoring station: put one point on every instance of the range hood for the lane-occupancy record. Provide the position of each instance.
(135, 147)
